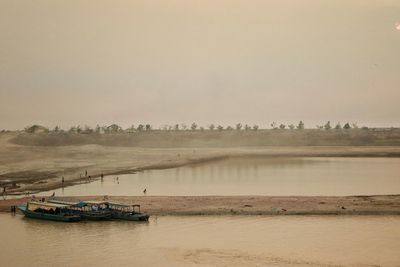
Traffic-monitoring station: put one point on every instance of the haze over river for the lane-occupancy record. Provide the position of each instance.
(255, 176)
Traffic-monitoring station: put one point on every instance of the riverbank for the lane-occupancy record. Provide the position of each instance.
(40, 168)
(250, 205)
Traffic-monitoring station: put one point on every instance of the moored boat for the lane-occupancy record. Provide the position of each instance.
(115, 210)
(48, 211)
(126, 212)
(90, 211)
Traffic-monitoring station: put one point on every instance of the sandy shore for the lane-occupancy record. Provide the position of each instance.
(251, 205)
(40, 168)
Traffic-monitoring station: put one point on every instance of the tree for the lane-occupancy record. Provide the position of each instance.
(300, 126)
(72, 129)
(291, 126)
(114, 128)
(347, 126)
(273, 125)
(338, 126)
(36, 129)
(239, 126)
(255, 127)
(140, 127)
(78, 129)
(148, 127)
(130, 129)
(193, 126)
(229, 128)
(211, 127)
(56, 129)
(282, 126)
(176, 127)
(220, 127)
(328, 126)
(88, 129)
(97, 129)
(247, 127)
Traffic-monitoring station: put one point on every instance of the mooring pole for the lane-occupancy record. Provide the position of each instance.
(13, 209)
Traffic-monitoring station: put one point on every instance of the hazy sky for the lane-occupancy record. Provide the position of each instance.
(210, 61)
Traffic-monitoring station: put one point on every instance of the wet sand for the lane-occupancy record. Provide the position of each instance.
(251, 205)
(40, 168)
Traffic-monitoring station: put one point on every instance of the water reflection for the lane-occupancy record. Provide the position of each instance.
(257, 176)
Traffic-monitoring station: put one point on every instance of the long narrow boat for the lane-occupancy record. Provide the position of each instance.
(90, 211)
(127, 212)
(117, 210)
(48, 211)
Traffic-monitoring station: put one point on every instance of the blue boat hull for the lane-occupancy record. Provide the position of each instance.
(50, 217)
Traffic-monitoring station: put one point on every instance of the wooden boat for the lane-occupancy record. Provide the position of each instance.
(126, 212)
(48, 211)
(117, 210)
(90, 211)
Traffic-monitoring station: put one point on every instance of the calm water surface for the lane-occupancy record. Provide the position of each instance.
(257, 176)
(203, 241)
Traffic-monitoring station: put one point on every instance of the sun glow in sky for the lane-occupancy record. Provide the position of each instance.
(398, 26)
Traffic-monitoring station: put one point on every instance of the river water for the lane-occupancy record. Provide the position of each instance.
(203, 241)
(256, 176)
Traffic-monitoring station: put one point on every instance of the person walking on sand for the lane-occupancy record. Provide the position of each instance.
(85, 173)
(145, 191)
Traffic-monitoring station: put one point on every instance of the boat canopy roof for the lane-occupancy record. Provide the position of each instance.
(62, 202)
(33, 205)
(122, 205)
(89, 203)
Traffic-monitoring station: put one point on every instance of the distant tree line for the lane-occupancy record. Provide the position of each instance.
(115, 128)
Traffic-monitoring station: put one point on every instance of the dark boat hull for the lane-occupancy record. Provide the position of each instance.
(130, 217)
(95, 217)
(50, 217)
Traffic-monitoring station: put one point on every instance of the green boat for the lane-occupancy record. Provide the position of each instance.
(48, 211)
(90, 211)
(126, 212)
(108, 209)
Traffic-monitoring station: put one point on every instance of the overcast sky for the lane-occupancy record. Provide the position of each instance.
(210, 61)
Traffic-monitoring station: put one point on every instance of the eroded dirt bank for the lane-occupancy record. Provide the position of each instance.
(251, 205)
